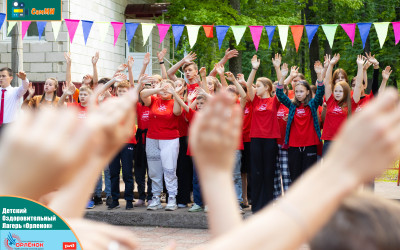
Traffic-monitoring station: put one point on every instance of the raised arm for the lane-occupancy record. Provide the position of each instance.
(320, 88)
(367, 64)
(95, 58)
(277, 65)
(130, 71)
(293, 73)
(228, 55)
(68, 89)
(255, 63)
(220, 70)
(160, 56)
(25, 84)
(178, 102)
(27, 102)
(187, 59)
(68, 60)
(385, 77)
(203, 75)
(279, 89)
(359, 79)
(328, 76)
(375, 76)
(233, 80)
(146, 61)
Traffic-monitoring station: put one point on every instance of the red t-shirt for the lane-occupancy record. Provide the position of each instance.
(357, 107)
(192, 87)
(302, 131)
(291, 94)
(247, 113)
(283, 112)
(263, 122)
(132, 140)
(189, 116)
(334, 119)
(82, 113)
(163, 124)
(142, 116)
(183, 125)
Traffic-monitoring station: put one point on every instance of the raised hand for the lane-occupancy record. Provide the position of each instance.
(161, 54)
(335, 59)
(386, 73)
(119, 77)
(193, 95)
(130, 62)
(285, 70)
(327, 60)
(21, 75)
(31, 89)
(189, 57)
(318, 67)
(240, 79)
(367, 64)
(360, 60)
(293, 71)
(231, 53)
(219, 68)
(230, 76)
(67, 56)
(95, 58)
(68, 88)
(277, 60)
(146, 59)
(214, 134)
(122, 67)
(254, 62)
(203, 72)
(372, 59)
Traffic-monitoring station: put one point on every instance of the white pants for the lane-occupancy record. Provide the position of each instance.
(162, 156)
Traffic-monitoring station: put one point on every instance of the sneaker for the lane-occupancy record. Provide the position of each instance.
(195, 208)
(205, 209)
(114, 204)
(139, 203)
(109, 200)
(171, 206)
(97, 200)
(243, 205)
(182, 205)
(155, 204)
(129, 205)
(90, 204)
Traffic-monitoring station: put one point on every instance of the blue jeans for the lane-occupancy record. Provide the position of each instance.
(237, 177)
(107, 182)
(196, 188)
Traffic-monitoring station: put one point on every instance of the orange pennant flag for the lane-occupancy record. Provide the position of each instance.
(208, 29)
(297, 32)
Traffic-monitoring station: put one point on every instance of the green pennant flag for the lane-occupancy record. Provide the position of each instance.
(330, 30)
(238, 32)
(381, 31)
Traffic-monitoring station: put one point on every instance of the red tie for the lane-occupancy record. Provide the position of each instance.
(2, 107)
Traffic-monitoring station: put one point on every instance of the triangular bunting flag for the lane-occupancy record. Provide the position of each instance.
(238, 32)
(41, 26)
(396, 30)
(56, 28)
(297, 32)
(311, 30)
(350, 29)
(130, 31)
(364, 31)
(208, 29)
(2, 18)
(177, 30)
(381, 31)
(163, 30)
(256, 34)
(117, 29)
(146, 31)
(11, 25)
(72, 25)
(24, 27)
(329, 30)
(193, 31)
(221, 33)
(102, 28)
(270, 31)
(283, 34)
(86, 27)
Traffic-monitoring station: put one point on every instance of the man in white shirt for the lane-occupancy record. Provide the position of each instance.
(10, 102)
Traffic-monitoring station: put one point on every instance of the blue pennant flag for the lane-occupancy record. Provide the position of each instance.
(86, 26)
(2, 18)
(270, 31)
(221, 33)
(177, 30)
(130, 31)
(364, 31)
(311, 30)
(40, 27)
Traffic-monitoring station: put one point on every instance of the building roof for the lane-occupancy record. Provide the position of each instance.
(145, 10)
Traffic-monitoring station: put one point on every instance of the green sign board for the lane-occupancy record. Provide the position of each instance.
(34, 10)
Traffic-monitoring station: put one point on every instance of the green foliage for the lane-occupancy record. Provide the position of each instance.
(274, 12)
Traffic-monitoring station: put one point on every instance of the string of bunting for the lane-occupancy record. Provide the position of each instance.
(297, 31)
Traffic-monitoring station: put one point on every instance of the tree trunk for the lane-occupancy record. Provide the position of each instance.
(235, 64)
(17, 50)
(314, 48)
(328, 49)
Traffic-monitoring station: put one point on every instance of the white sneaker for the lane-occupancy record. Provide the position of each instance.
(195, 208)
(171, 206)
(155, 204)
(182, 205)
